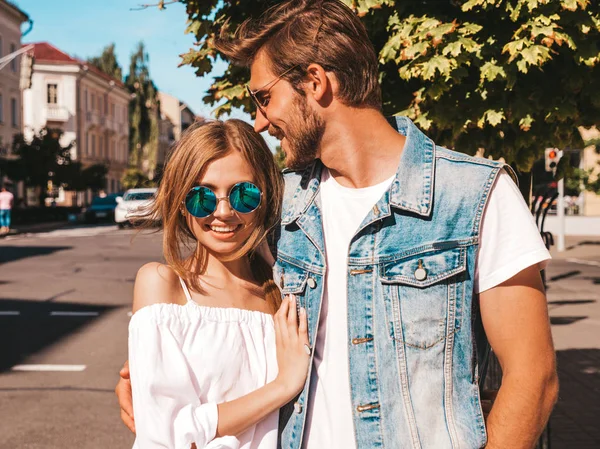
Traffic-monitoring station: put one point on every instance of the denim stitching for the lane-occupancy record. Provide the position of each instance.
(402, 369)
(448, 368)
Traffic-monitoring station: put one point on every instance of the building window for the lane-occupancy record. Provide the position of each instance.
(85, 98)
(1, 109)
(13, 63)
(101, 149)
(93, 146)
(14, 113)
(52, 93)
(93, 102)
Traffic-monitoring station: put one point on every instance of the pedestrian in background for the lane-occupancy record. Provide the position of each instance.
(6, 203)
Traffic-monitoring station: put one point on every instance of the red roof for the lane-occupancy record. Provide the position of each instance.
(45, 52)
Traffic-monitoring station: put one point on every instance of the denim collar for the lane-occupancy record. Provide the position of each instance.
(411, 190)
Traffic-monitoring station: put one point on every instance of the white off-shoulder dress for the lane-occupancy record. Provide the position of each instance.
(186, 359)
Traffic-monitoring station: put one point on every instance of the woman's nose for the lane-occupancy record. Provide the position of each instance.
(223, 209)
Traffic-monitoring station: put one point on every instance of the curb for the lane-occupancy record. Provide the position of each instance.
(36, 228)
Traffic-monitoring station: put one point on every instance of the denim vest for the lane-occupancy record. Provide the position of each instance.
(415, 339)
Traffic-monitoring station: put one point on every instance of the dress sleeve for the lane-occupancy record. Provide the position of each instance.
(166, 404)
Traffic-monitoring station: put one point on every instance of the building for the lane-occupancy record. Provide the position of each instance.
(90, 107)
(166, 138)
(11, 19)
(176, 117)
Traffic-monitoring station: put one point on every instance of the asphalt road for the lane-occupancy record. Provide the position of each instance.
(65, 300)
(72, 291)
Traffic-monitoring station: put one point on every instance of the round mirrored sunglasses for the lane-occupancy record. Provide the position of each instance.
(244, 197)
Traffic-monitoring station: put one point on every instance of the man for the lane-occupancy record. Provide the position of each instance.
(408, 257)
(6, 203)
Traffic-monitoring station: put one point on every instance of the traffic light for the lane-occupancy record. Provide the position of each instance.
(552, 157)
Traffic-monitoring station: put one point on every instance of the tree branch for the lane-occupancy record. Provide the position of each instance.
(161, 5)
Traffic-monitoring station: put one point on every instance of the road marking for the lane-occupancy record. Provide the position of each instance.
(584, 262)
(48, 368)
(9, 313)
(74, 313)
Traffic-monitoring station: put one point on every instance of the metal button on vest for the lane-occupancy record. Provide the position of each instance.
(420, 272)
(297, 407)
(311, 283)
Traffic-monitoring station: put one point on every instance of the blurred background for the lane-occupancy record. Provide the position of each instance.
(93, 95)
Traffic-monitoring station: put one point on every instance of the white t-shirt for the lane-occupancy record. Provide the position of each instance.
(510, 242)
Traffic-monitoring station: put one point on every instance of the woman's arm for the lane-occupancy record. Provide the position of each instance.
(238, 415)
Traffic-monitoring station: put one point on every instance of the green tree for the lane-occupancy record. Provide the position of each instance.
(511, 77)
(41, 160)
(144, 114)
(107, 62)
(79, 178)
(134, 178)
(579, 179)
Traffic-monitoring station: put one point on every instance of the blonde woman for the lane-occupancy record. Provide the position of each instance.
(211, 358)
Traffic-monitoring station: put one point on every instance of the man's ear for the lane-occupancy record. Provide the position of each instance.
(318, 83)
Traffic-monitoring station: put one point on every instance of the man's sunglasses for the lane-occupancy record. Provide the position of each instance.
(261, 97)
(244, 197)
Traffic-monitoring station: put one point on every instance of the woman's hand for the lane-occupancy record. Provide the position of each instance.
(123, 392)
(293, 351)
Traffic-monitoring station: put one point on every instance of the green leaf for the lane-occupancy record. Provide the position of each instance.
(490, 71)
(437, 64)
(535, 55)
(492, 117)
(526, 122)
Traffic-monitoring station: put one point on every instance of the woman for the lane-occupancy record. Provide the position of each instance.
(205, 369)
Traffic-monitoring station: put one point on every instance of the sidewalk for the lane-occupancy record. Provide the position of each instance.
(35, 228)
(573, 293)
(575, 225)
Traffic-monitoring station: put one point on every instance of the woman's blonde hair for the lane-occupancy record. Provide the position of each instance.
(200, 144)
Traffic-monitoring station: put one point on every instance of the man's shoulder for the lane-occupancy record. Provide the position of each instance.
(469, 163)
(457, 156)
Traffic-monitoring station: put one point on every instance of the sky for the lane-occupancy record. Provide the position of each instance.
(83, 28)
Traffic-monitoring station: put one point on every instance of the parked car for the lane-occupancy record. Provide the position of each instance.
(101, 209)
(131, 203)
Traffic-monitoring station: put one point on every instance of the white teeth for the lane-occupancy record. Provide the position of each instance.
(223, 228)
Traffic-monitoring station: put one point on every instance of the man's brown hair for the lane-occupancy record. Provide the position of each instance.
(298, 33)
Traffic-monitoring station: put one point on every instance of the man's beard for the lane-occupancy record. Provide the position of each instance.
(304, 135)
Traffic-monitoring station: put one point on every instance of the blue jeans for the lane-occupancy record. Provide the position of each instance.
(4, 218)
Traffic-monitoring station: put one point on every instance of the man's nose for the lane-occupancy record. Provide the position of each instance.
(261, 123)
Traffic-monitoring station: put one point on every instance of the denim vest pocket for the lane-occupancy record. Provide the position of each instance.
(291, 279)
(423, 296)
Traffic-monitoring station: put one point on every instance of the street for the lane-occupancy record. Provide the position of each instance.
(65, 305)
(72, 290)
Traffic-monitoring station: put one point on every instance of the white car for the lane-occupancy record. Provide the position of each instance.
(131, 203)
